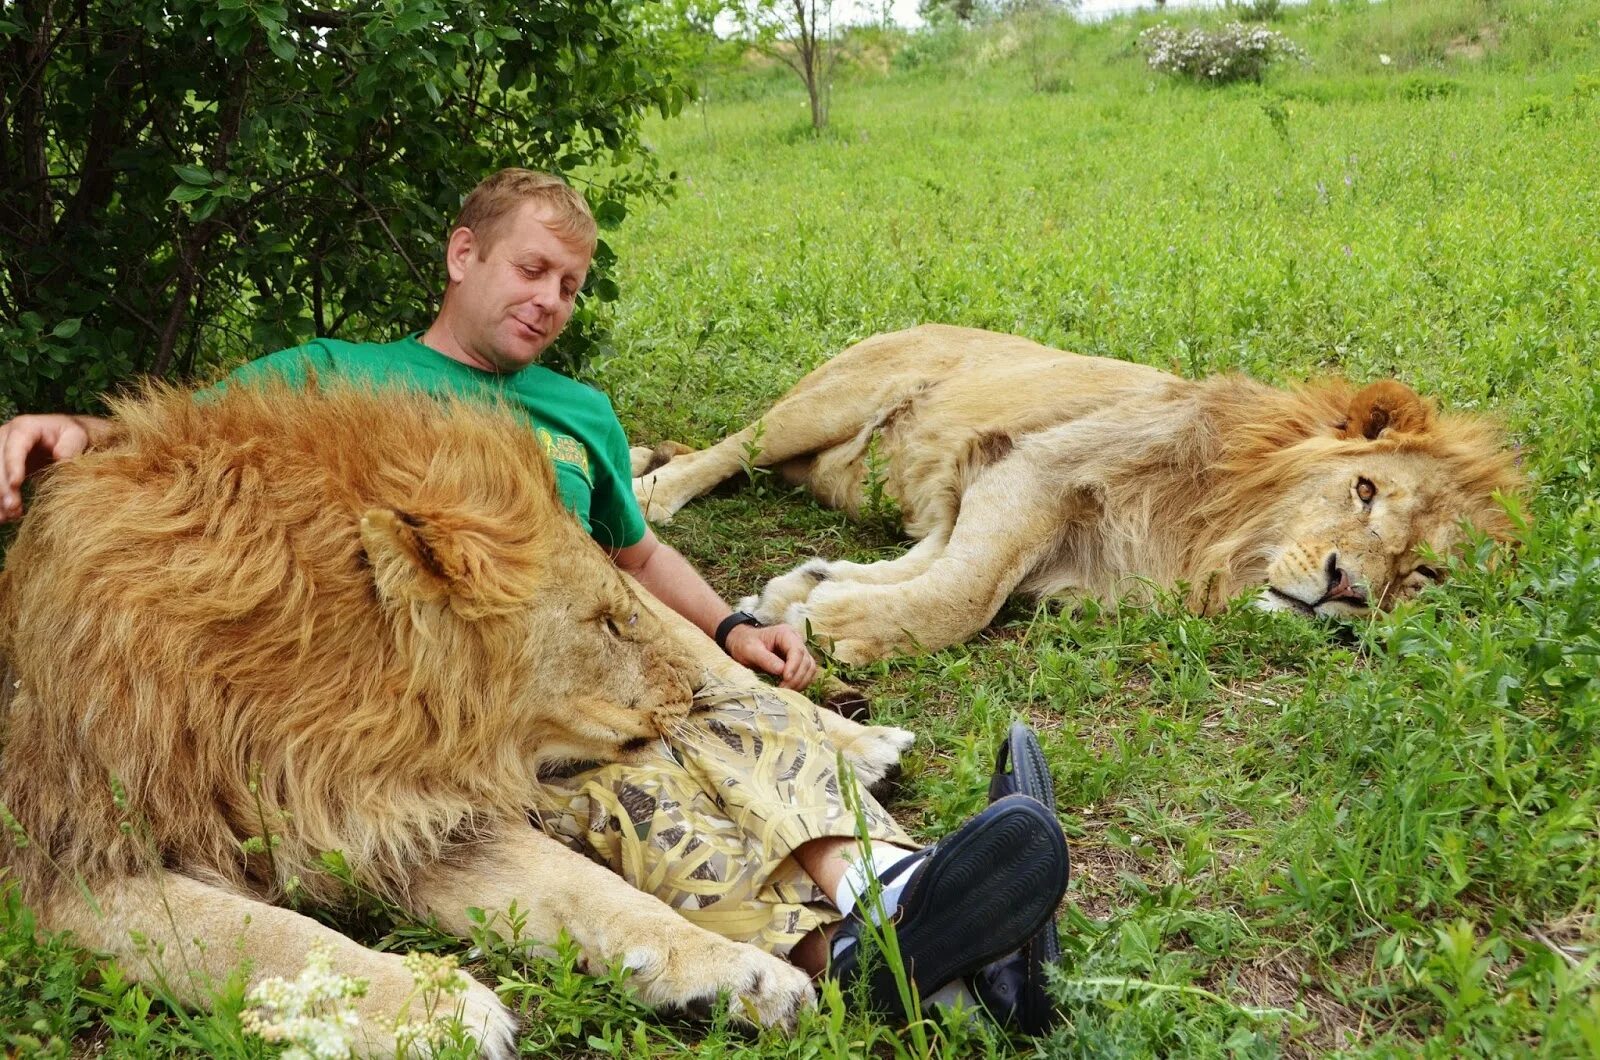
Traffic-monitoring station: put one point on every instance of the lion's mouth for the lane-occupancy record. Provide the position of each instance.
(1299, 605)
(635, 745)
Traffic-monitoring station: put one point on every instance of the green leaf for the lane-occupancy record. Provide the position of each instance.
(193, 175)
(67, 328)
(187, 193)
(610, 213)
(281, 45)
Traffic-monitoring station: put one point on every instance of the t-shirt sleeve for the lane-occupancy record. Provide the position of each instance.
(615, 520)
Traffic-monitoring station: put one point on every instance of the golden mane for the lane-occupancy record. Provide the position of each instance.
(229, 638)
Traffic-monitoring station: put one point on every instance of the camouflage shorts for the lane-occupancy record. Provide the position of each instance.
(708, 820)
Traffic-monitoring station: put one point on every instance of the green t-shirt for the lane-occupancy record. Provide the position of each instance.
(575, 423)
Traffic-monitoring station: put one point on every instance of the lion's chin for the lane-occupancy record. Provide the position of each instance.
(1272, 598)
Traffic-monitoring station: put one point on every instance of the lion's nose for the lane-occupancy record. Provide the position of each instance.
(1340, 585)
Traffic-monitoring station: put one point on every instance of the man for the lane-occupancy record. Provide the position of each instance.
(747, 831)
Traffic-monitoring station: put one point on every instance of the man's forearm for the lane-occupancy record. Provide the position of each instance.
(671, 579)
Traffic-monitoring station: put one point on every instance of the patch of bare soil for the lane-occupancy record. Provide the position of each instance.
(1470, 47)
(1297, 983)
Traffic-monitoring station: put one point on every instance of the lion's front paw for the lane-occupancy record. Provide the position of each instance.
(653, 499)
(489, 1022)
(786, 590)
(875, 751)
(760, 988)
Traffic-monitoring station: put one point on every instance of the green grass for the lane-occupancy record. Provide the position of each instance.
(1285, 840)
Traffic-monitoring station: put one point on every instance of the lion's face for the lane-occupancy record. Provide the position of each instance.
(619, 684)
(589, 672)
(1368, 532)
(1370, 512)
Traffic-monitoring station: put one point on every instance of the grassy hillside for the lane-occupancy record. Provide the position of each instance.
(1285, 840)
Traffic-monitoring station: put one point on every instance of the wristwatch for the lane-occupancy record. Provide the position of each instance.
(732, 622)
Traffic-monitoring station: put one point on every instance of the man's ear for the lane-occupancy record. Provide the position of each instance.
(1386, 405)
(461, 247)
(436, 558)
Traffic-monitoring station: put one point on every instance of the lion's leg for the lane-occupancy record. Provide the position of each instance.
(796, 586)
(871, 751)
(828, 407)
(189, 937)
(674, 963)
(1007, 525)
(643, 459)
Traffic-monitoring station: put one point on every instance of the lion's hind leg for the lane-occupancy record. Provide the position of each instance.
(187, 938)
(644, 459)
(834, 404)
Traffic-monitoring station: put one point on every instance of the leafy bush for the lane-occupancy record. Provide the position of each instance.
(1429, 86)
(1232, 52)
(192, 181)
(1258, 10)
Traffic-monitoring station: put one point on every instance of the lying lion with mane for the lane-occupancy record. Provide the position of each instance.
(346, 621)
(1020, 468)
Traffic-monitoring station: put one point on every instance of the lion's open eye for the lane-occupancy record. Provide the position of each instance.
(1365, 490)
(633, 619)
(1431, 573)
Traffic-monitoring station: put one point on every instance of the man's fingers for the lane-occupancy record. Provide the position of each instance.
(69, 442)
(799, 667)
(763, 659)
(16, 441)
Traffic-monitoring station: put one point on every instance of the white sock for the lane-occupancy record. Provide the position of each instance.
(950, 995)
(856, 879)
(853, 886)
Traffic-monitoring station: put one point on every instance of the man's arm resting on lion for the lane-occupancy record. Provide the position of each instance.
(778, 650)
(28, 443)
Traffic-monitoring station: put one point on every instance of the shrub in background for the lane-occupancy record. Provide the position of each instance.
(1232, 52)
(184, 182)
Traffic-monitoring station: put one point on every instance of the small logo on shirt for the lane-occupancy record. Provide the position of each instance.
(566, 449)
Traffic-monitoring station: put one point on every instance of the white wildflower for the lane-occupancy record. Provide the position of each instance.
(437, 977)
(311, 1013)
(1384, 59)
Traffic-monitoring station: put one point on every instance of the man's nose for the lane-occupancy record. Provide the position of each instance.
(546, 294)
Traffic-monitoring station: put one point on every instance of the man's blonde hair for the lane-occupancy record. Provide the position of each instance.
(498, 196)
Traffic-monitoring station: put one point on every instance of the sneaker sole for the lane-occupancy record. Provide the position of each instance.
(987, 889)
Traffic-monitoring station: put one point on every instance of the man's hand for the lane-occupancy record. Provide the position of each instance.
(778, 650)
(29, 443)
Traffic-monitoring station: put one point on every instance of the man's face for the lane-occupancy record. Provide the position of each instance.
(513, 297)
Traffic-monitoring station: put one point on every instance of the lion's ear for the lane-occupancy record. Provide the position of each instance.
(420, 557)
(1386, 406)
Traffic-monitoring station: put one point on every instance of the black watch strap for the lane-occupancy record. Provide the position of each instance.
(729, 624)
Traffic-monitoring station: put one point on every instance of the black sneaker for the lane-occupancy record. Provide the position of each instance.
(982, 891)
(1013, 988)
